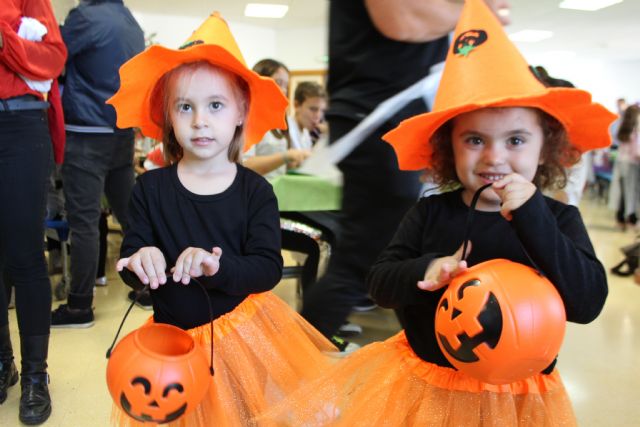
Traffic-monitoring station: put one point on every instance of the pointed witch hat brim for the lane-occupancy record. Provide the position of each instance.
(484, 69)
(139, 103)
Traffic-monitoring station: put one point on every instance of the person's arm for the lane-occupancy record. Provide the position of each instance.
(259, 267)
(393, 279)
(78, 32)
(138, 235)
(420, 20)
(560, 246)
(263, 164)
(41, 60)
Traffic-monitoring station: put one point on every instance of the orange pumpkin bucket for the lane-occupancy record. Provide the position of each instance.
(500, 322)
(157, 373)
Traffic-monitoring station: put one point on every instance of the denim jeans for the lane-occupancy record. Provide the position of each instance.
(93, 164)
(25, 151)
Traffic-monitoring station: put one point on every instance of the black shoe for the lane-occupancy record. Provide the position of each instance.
(344, 347)
(349, 330)
(144, 299)
(624, 268)
(35, 401)
(8, 378)
(366, 304)
(66, 317)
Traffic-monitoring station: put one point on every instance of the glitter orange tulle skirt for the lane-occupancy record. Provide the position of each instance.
(386, 384)
(263, 351)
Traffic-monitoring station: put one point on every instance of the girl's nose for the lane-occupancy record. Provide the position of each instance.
(493, 154)
(198, 120)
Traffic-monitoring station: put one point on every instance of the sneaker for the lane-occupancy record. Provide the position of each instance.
(344, 347)
(144, 299)
(365, 305)
(349, 330)
(65, 317)
(101, 281)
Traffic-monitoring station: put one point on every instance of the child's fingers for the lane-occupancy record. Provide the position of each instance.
(160, 266)
(186, 267)
(196, 265)
(177, 269)
(122, 263)
(150, 270)
(216, 251)
(135, 265)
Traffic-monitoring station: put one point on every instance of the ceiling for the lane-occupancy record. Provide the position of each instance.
(609, 34)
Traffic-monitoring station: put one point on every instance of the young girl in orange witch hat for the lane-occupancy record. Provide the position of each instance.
(207, 220)
(492, 124)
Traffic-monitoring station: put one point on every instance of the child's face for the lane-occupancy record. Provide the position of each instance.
(310, 113)
(204, 110)
(490, 143)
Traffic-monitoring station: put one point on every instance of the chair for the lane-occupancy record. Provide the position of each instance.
(59, 230)
(311, 234)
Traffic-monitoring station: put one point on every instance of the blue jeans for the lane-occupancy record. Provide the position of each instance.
(25, 151)
(93, 164)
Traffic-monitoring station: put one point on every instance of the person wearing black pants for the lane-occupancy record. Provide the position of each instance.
(28, 66)
(24, 169)
(367, 41)
(367, 223)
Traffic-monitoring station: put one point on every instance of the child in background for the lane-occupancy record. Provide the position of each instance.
(492, 123)
(206, 216)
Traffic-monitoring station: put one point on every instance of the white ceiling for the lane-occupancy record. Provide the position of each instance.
(610, 34)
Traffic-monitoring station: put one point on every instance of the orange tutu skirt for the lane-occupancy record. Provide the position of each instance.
(386, 384)
(263, 351)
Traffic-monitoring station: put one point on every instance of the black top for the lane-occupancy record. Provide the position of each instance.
(365, 67)
(552, 233)
(242, 220)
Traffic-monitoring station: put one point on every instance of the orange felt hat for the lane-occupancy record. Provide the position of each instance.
(138, 102)
(484, 69)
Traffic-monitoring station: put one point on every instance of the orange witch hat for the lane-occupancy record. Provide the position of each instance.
(484, 69)
(138, 102)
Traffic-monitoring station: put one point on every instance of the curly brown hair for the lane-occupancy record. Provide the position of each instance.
(557, 152)
(163, 93)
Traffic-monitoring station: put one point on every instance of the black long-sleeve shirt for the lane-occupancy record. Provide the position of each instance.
(243, 221)
(552, 233)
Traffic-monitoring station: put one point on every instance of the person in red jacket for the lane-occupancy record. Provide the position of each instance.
(28, 63)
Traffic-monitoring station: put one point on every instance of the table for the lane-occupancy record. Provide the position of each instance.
(300, 193)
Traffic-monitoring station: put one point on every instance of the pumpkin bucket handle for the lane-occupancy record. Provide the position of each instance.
(146, 288)
(467, 230)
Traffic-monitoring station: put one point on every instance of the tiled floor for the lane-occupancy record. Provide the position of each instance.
(600, 362)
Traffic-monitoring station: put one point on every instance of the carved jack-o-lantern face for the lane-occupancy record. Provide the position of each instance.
(500, 322)
(157, 373)
(144, 404)
(474, 317)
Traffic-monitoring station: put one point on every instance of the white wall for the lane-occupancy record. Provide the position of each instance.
(302, 49)
(606, 81)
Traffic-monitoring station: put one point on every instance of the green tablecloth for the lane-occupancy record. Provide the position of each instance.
(306, 193)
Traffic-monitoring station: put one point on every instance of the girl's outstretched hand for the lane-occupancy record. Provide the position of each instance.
(442, 270)
(148, 264)
(196, 262)
(514, 190)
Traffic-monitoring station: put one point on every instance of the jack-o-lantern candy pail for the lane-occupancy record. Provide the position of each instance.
(500, 322)
(157, 373)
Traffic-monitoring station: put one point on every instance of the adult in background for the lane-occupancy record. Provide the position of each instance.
(31, 55)
(368, 39)
(100, 35)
